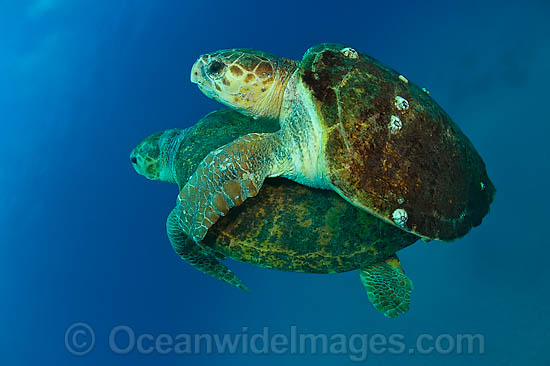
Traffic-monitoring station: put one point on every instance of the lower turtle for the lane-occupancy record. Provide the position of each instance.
(287, 226)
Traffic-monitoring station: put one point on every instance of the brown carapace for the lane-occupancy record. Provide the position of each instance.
(391, 147)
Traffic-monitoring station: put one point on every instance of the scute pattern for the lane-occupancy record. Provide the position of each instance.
(428, 168)
(291, 227)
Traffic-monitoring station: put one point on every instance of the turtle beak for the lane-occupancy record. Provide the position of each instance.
(134, 159)
(196, 71)
(199, 77)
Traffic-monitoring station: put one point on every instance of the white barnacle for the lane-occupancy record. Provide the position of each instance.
(425, 91)
(482, 186)
(400, 200)
(403, 79)
(400, 217)
(401, 103)
(395, 124)
(349, 52)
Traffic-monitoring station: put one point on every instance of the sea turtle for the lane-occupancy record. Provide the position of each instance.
(287, 226)
(347, 123)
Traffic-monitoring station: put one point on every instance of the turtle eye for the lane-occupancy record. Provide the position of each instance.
(215, 68)
(134, 160)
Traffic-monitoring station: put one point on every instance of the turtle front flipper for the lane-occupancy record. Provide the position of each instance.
(195, 255)
(388, 288)
(225, 178)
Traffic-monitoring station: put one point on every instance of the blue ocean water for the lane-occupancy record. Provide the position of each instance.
(83, 236)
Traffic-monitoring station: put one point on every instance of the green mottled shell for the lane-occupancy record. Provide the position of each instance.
(427, 167)
(287, 226)
(212, 131)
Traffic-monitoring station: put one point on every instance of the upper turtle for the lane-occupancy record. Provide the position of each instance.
(348, 123)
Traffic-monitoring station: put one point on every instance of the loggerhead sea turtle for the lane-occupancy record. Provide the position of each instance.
(348, 123)
(287, 226)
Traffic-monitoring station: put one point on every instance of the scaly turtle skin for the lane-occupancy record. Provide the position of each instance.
(287, 226)
(348, 123)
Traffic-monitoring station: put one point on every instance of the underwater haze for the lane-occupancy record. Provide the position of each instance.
(88, 275)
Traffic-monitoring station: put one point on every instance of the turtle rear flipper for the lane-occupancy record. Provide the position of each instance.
(195, 255)
(388, 288)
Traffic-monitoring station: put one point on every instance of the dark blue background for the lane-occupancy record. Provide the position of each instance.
(82, 235)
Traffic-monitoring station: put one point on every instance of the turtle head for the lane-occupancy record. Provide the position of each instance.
(249, 81)
(154, 156)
